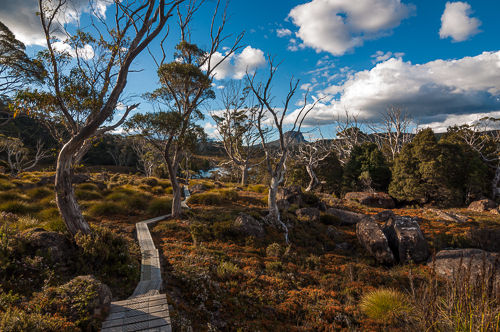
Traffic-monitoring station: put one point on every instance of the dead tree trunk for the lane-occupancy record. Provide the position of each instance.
(313, 183)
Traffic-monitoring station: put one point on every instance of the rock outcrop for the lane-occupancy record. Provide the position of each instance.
(372, 199)
(476, 263)
(249, 225)
(372, 238)
(406, 239)
(482, 205)
(346, 217)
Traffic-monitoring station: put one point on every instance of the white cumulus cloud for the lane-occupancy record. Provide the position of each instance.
(380, 56)
(283, 32)
(236, 65)
(457, 23)
(430, 92)
(337, 26)
(20, 17)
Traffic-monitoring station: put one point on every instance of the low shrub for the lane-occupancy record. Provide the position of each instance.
(274, 250)
(159, 206)
(15, 319)
(152, 182)
(111, 258)
(229, 195)
(205, 199)
(39, 193)
(385, 305)
(131, 199)
(18, 207)
(88, 186)
(104, 209)
(87, 195)
(6, 184)
(258, 188)
(227, 270)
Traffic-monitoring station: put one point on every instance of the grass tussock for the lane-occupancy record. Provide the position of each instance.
(385, 305)
(106, 209)
(159, 206)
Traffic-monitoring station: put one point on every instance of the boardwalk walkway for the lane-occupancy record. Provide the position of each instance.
(146, 309)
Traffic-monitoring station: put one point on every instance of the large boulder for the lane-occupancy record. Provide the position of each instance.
(53, 244)
(482, 205)
(485, 238)
(406, 239)
(373, 199)
(249, 225)
(308, 214)
(372, 238)
(346, 217)
(456, 263)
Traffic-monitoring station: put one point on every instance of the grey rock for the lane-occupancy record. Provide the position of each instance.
(347, 217)
(384, 216)
(371, 237)
(406, 239)
(249, 225)
(482, 205)
(373, 199)
(454, 263)
(308, 214)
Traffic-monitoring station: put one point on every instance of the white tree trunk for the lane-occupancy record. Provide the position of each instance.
(244, 174)
(313, 183)
(494, 184)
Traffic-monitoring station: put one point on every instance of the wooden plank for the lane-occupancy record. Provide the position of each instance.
(146, 309)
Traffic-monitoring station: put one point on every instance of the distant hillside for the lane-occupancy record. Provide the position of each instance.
(295, 137)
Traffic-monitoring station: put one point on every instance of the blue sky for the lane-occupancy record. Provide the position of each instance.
(439, 60)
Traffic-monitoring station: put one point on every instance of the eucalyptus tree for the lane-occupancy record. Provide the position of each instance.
(271, 122)
(236, 127)
(185, 84)
(115, 43)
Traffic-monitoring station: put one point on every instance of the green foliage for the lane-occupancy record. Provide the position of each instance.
(385, 305)
(274, 250)
(19, 207)
(18, 320)
(5, 184)
(258, 188)
(88, 186)
(443, 173)
(87, 195)
(106, 209)
(110, 257)
(39, 193)
(159, 206)
(366, 169)
(227, 271)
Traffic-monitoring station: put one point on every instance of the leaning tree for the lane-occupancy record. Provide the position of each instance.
(236, 127)
(271, 116)
(115, 44)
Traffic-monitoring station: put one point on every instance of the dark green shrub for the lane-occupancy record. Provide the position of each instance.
(87, 195)
(104, 209)
(159, 206)
(18, 207)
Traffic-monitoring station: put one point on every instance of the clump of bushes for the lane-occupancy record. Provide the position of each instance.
(87, 195)
(258, 188)
(227, 270)
(106, 208)
(18, 207)
(39, 192)
(15, 319)
(159, 206)
(214, 198)
(274, 250)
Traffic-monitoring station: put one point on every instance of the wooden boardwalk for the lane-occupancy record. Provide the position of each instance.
(146, 309)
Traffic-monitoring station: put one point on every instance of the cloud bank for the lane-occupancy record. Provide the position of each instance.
(430, 92)
(337, 26)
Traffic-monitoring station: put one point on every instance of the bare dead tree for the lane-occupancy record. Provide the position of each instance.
(484, 138)
(236, 126)
(348, 135)
(19, 158)
(148, 157)
(311, 155)
(271, 116)
(393, 132)
(104, 73)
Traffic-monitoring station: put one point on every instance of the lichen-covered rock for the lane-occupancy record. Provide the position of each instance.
(55, 244)
(308, 214)
(372, 238)
(406, 239)
(373, 199)
(482, 205)
(346, 217)
(249, 225)
(477, 263)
